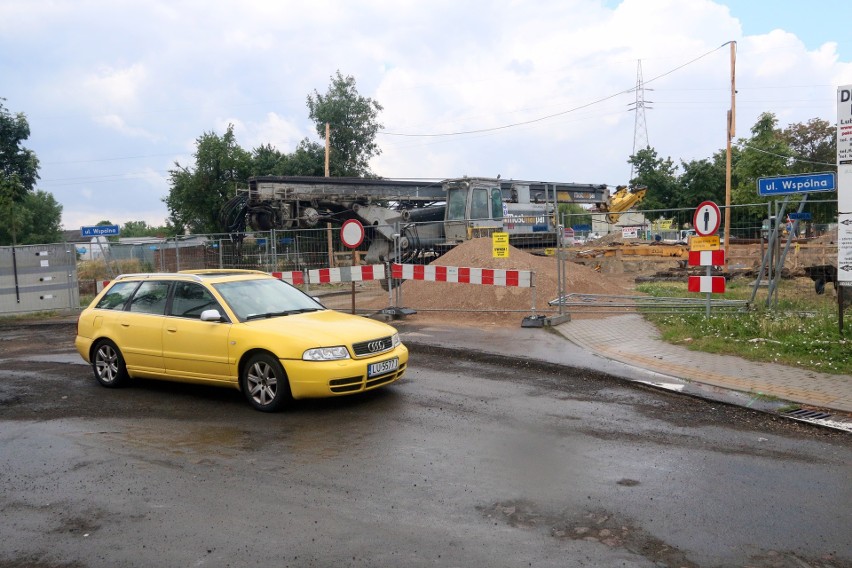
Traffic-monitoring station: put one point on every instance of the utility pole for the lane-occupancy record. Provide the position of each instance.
(327, 148)
(732, 126)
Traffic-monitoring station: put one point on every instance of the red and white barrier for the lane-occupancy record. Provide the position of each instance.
(294, 277)
(346, 274)
(706, 284)
(486, 276)
(707, 257)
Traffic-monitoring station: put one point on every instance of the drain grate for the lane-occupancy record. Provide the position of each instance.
(808, 414)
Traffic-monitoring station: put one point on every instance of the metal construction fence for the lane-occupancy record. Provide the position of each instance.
(303, 250)
(35, 278)
(750, 222)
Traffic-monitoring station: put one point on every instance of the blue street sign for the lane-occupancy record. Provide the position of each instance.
(804, 216)
(804, 183)
(100, 231)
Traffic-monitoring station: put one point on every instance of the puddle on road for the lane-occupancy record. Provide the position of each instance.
(181, 440)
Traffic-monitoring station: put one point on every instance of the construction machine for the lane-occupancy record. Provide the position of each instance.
(624, 199)
(407, 219)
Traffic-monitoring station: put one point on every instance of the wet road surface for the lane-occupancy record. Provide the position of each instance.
(465, 462)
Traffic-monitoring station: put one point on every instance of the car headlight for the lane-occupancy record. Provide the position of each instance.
(395, 340)
(326, 354)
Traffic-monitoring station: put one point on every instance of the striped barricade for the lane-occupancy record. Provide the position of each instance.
(467, 275)
(464, 275)
(294, 277)
(346, 274)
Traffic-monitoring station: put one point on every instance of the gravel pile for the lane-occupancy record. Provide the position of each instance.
(469, 300)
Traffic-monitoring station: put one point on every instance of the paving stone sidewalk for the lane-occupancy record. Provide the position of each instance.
(631, 340)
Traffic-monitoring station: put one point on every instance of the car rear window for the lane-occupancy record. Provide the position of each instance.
(150, 298)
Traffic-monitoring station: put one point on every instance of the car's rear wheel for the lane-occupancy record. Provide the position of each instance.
(265, 383)
(108, 365)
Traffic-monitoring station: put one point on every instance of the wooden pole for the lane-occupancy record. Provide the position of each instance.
(732, 127)
(327, 147)
(330, 245)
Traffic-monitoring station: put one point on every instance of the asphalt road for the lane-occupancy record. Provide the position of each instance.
(465, 462)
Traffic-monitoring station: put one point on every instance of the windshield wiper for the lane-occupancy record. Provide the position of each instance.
(282, 313)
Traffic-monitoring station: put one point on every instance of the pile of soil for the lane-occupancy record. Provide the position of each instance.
(470, 300)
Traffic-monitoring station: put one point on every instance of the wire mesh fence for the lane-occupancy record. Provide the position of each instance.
(814, 243)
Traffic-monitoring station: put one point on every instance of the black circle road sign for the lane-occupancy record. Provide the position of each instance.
(352, 233)
(706, 219)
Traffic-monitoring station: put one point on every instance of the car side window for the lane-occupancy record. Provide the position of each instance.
(150, 298)
(190, 299)
(117, 296)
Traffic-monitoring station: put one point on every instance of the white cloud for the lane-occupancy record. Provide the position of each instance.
(152, 77)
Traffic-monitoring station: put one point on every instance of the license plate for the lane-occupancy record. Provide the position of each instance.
(382, 367)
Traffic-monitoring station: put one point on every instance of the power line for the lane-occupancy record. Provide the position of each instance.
(743, 145)
(542, 118)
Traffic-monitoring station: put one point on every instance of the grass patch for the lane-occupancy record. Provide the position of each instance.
(14, 318)
(800, 331)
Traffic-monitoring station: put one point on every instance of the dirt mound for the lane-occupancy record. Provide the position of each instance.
(468, 300)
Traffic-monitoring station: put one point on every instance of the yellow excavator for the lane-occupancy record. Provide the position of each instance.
(624, 199)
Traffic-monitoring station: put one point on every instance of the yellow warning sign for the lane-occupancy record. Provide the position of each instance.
(704, 243)
(500, 245)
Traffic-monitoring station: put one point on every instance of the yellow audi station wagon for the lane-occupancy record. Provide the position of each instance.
(242, 329)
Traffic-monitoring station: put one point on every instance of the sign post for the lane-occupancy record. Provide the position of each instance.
(844, 196)
(352, 235)
(99, 231)
(704, 250)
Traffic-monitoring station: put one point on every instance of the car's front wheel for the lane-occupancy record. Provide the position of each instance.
(265, 383)
(108, 365)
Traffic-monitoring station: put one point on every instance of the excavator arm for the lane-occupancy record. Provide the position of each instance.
(624, 199)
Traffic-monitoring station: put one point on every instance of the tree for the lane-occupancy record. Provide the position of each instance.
(659, 175)
(764, 154)
(18, 165)
(814, 145)
(142, 229)
(197, 195)
(307, 160)
(701, 180)
(353, 126)
(36, 219)
(573, 214)
(26, 216)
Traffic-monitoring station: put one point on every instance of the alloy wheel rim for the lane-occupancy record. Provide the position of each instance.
(262, 383)
(107, 364)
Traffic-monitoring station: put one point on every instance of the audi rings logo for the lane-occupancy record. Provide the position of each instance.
(374, 346)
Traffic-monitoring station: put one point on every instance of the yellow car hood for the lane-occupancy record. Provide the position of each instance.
(318, 329)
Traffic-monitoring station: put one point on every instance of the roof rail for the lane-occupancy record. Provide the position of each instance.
(155, 275)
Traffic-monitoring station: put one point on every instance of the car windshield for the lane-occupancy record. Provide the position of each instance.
(265, 298)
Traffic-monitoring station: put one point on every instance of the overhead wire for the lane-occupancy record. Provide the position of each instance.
(554, 115)
(797, 159)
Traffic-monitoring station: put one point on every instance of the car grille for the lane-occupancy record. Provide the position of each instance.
(372, 347)
(356, 384)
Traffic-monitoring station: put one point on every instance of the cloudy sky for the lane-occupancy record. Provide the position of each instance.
(117, 91)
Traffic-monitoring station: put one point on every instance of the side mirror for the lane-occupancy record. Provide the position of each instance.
(211, 315)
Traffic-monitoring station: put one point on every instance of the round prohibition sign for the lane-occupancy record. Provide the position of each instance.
(706, 219)
(352, 233)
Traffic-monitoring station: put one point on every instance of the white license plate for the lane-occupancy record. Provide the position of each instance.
(382, 367)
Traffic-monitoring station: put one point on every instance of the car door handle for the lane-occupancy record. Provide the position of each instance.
(171, 329)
